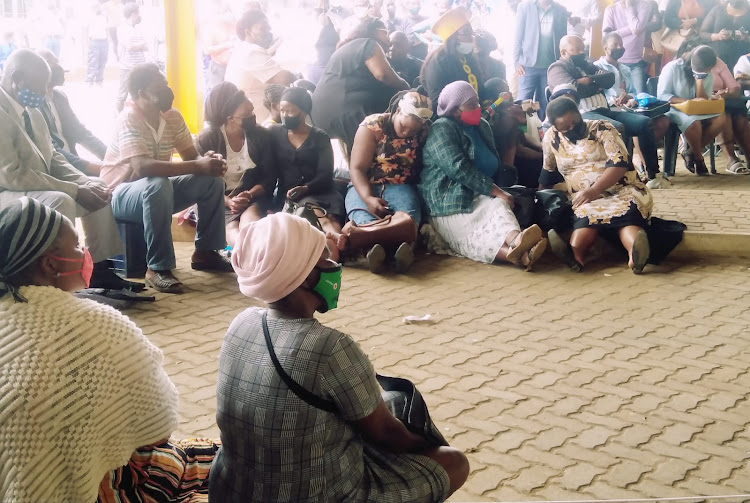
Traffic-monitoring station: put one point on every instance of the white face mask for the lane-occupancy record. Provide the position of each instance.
(465, 47)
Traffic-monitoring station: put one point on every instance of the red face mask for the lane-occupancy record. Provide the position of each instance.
(472, 118)
(86, 270)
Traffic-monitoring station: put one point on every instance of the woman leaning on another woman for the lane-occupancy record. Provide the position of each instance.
(606, 191)
(384, 167)
(689, 78)
(278, 447)
(234, 134)
(463, 203)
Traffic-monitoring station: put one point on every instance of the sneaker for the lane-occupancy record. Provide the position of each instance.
(659, 182)
(165, 282)
(376, 259)
(404, 258)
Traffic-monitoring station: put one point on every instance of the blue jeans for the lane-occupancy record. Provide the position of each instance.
(97, 60)
(532, 86)
(639, 72)
(634, 125)
(400, 197)
(152, 201)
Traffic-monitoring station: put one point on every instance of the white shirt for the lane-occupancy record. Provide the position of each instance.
(237, 163)
(250, 68)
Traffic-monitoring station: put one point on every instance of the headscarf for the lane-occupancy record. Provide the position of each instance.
(222, 101)
(299, 97)
(274, 256)
(416, 105)
(27, 229)
(453, 96)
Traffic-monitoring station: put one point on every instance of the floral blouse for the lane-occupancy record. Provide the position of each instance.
(397, 160)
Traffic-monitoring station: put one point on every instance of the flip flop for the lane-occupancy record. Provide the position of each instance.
(525, 241)
(640, 252)
(536, 253)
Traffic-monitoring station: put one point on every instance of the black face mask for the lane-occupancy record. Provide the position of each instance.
(291, 121)
(248, 124)
(57, 77)
(578, 59)
(616, 53)
(164, 99)
(578, 132)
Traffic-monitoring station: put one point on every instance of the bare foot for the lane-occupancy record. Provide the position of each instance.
(333, 249)
(340, 241)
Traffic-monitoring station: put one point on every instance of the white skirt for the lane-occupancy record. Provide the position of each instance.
(478, 235)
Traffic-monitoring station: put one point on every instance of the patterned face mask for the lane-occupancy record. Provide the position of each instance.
(28, 98)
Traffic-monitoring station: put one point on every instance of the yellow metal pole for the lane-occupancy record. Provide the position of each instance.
(182, 60)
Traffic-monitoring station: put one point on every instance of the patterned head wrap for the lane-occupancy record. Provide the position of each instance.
(27, 229)
(416, 105)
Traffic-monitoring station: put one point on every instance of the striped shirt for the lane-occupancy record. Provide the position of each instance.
(129, 37)
(135, 137)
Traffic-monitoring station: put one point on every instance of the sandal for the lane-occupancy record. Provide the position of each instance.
(563, 251)
(524, 241)
(535, 253)
(737, 168)
(700, 167)
(640, 252)
(687, 158)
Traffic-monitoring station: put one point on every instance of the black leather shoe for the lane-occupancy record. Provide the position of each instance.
(107, 279)
(214, 262)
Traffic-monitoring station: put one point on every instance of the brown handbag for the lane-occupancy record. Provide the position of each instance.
(392, 230)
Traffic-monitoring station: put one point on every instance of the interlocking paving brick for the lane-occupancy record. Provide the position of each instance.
(626, 388)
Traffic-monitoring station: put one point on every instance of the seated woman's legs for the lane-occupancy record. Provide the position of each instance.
(336, 241)
(523, 247)
(454, 462)
(581, 241)
(726, 141)
(698, 135)
(250, 215)
(741, 129)
(635, 241)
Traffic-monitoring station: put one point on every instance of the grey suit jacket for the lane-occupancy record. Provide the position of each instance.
(27, 165)
(73, 130)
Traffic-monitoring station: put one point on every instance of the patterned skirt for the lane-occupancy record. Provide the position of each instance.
(171, 472)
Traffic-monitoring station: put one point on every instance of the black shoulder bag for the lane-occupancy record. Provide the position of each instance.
(400, 396)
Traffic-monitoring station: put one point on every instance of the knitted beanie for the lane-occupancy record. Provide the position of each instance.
(453, 96)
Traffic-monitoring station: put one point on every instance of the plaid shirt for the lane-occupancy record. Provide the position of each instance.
(450, 181)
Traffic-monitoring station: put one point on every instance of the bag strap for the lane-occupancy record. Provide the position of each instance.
(297, 389)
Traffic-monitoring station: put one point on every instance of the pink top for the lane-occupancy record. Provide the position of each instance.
(723, 78)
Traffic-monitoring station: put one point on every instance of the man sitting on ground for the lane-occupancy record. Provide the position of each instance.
(30, 166)
(148, 188)
(573, 68)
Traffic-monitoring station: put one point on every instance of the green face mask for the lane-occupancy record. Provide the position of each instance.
(328, 287)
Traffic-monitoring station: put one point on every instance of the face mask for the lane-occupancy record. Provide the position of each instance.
(465, 48)
(58, 77)
(738, 4)
(472, 118)
(163, 100)
(578, 132)
(700, 75)
(248, 123)
(616, 53)
(291, 121)
(329, 287)
(578, 59)
(415, 10)
(28, 98)
(86, 270)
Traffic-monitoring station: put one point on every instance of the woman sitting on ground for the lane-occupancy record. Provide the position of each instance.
(689, 78)
(304, 159)
(464, 205)
(384, 168)
(277, 447)
(83, 388)
(233, 133)
(606, 191)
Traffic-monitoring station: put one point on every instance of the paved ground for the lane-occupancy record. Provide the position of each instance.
(559, 386)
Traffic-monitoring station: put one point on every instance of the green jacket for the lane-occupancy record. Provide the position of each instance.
(449, 180)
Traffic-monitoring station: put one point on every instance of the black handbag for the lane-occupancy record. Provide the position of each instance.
(306, 211)
(553, 210)
(524, 204)
(400, 396)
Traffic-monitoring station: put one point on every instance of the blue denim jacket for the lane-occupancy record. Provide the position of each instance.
(526, 46)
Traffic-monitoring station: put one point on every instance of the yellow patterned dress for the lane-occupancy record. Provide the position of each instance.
(627, 202)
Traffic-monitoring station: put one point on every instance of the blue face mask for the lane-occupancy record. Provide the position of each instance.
(700, 75)
(28, 98)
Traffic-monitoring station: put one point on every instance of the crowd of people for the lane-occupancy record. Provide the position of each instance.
(401, 122)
